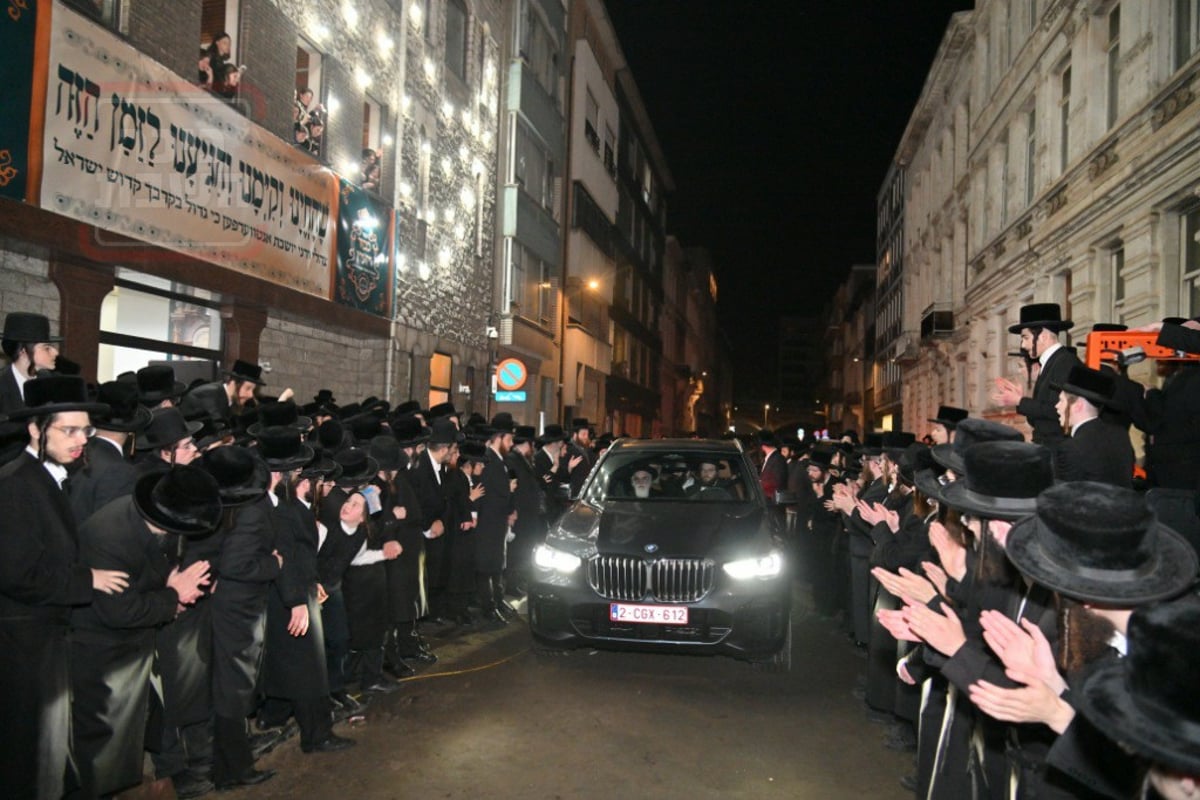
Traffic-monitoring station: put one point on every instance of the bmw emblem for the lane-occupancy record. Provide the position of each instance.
(651, 548)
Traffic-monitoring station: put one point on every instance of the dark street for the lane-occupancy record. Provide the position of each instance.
(493, 719)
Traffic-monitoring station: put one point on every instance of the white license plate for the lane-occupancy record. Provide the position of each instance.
(651, 615)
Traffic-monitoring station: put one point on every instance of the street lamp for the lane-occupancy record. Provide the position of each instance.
(766, 412)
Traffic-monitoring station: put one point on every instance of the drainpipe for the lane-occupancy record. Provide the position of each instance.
(398, 138)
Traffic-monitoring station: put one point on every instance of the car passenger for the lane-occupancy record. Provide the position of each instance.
(709, 485)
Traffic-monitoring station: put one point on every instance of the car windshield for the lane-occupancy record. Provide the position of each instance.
(665, 476)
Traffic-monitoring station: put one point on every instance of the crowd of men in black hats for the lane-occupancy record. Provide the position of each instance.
(201, 572)
(1027, 609)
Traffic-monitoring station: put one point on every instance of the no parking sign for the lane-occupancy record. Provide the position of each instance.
(511, 374)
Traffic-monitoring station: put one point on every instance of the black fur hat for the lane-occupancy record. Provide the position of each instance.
(972, 431)
(445, 432)
(55, 394)
(358, 468)
(1001, 480)
(552, 433)
(504, 423)
(241, 476)
(767, 437)
(331, 436)
(156, 383)
(409, 407)
(272, 415)
(442, 410)
(1149, 701)
(126, 414)
(245, 371)
(409, 431)
(524, 433)
(470, 452)
(167, 426)
(1100, 543)
(1041, 315)
(387, 453)
(183, 500)
(821, 457)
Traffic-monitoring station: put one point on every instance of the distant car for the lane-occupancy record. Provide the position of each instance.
(669, 547)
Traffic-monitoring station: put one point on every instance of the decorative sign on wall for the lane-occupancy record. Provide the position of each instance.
(364, 249)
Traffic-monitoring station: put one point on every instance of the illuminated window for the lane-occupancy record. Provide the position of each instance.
(440, 371)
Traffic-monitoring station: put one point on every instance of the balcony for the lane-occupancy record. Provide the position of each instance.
(937, 322)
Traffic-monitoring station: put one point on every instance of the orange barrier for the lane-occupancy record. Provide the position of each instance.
(1103, 347)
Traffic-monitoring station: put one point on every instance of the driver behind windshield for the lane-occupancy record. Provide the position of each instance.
(709, 485)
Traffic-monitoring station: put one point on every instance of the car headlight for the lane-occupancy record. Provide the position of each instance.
(548, 557)
(766, 567)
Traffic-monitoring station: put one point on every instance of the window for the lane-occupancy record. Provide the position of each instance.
(308, 115)
(427, 17)
(610, 151)
(1064, 118)
(217, 17)
(539, 49)
(1030, 156)
(1116, 265)
(591, 121)
(456, 38)
(1031, 9)
(1004, 181)
(371, 166)
(1189, 255)
(441, 367)
(533, 287)
(533, 170)
(103, 11)
(372, 124)
(1113, 49)
(146, 318)
(1187, 30)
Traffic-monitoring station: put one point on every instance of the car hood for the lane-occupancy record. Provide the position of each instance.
(666, 529)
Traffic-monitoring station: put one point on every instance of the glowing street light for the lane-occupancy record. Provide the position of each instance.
(766, 413)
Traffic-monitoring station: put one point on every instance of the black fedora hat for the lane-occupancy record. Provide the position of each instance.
(949, 416)
(872, 445)
(1149, 701)
(184, 500)
(895, 443)
(271, 415)
(552, 433)
(579, 423)
(324, 397)
(126, 414)
(281, 447)
(444, 431)
(1097, 386)
(364, 427)
(331, 436)
(358, 467)
(472, 452)
(245, 371)
(409, 431)
(524, 433)
(23, 326)
(408, 407)
(322, 467)
(442, 410)
(969, 432)
(767, 437)
(241, 476)
(821, 457)
(504, 422)
(157, 383)
(386, 452)
(56, 394)
(1101, 543)
(1001, 480)
(1041, 315)
(167, 426)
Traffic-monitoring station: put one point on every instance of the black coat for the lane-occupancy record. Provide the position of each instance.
(404, 571)
(529, 500)
(112, 647)
(1098, 451)
(773, 476)
(494, 509)
(431, 497)
(239, 607)
(551, 476)
(40, 580)
(209, 398)
(1170, 417)
(1039, 409)
(11, 398)
(294, 666)
(339, 548)
(861, 540)
(578, 475)
(107, 476)
(459, 544)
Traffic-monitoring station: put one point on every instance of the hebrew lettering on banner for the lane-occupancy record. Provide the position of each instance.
(132, 148)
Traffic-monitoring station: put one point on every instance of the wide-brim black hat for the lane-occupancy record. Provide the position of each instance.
(357, 466)
(1149, 701)
(1100, 543)
(157, 383)
(442, 410)
(504, 422)
(472, 451)
(322, 467)
(1096, 386)
(579, 423)
(245, 371)
(386, 452)
(126, 414)
(969, 432)
(331, 436)
(23, 326)
(872, 445)
(272, 415)
(167, 426)
(56, 394)
(241, 476)
(929, 483)
(445, 432)
(408, 407)
(821, 457)
(1042, 315)
(552, 433)
(524, 434)
(282, 448)
(896, 442)
(1001, 480)
(409, 431)
(184, 500)
(767, 437)
(949, 416)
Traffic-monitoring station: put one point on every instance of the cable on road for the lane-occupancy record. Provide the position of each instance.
(468, 670)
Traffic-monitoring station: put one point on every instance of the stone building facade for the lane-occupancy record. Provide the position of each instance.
(1052, 158)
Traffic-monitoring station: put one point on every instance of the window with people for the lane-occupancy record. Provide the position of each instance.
(308, 114)
(681, 476)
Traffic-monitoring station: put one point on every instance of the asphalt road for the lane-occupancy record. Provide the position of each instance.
(494, 720)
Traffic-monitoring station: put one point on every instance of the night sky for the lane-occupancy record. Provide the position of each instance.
(778, 121)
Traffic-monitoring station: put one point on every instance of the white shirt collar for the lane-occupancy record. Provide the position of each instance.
(1049, 351)
(437, 468)
(57, 471)
(1119, 643)
(22, 378)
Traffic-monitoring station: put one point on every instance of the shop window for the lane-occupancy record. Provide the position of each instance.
(145, 318)
(440, 373)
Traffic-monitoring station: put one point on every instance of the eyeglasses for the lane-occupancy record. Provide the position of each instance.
(72, 431)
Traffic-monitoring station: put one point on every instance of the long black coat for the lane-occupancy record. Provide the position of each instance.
(578, 476)
(11, 398)
(459, 544)
(494, 508)
(40, 580)
(294, 666)
(431, 498)
(529, 501)
(107, 476)
(239, 608)
(112, 647)
(404, 571)
(1039, 409)
(1170, 417)
(1098, 451)
(551, 475)
(209, 398)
